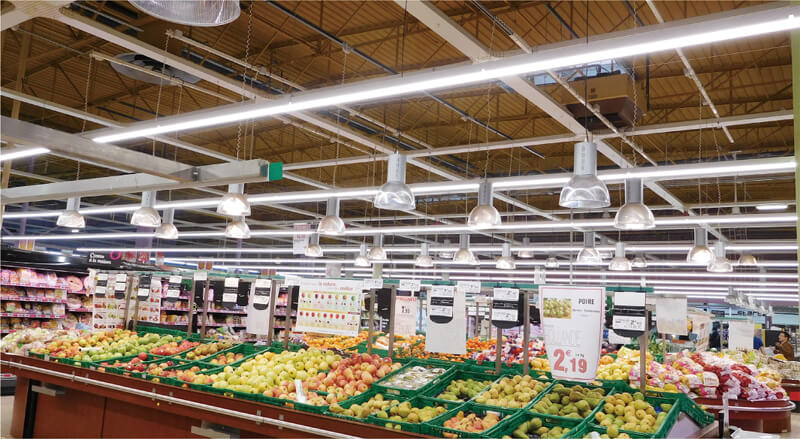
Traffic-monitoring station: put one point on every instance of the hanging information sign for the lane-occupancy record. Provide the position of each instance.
(101, 285)
(372, 284)
(572, 322)
(701, 325)
(120, 285)
(143, 291)
(261, 294)
(440, 303)
(468, 287)
(200, 275)
(329, 306)
(505, 307)
(740, 334)
(412, 285)
(174, 288)
(445, 331)
(405, 315)
(230, 292)
(671, 315)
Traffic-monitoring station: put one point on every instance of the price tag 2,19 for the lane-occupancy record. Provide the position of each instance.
(568, 361)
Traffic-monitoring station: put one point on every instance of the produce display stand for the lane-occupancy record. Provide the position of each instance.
(792, 388)
(761, 416)
(111, 405)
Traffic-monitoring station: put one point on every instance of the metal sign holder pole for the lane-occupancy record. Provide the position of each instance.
(391, 320)
(273, 297)
(526, 333)
(128, 288)
(190, 317)
(371, 320)
(136, 310)
(643, 354)
(205, 308)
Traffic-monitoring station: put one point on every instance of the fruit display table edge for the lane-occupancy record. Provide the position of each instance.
(88, 403)
(761, 416)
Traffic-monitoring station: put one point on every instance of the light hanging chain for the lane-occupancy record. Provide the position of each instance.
(244, 73)
(339, 117)
(161, 84)
(488, 107)
(635, 89)
(700, 153)
(86, 94)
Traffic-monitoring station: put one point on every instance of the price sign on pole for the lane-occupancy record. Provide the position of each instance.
(468, 287)
(174, 288)
(120, 285)
(440, 303)
(405, 316)
(101, 284)
(505, 307)
(412, 285)
(261, 294)
(230, 291)
(144, 286)
(373, 284)
(572, 322)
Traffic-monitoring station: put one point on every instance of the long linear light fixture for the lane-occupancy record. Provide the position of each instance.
(713, 28)
(7, 154)
(774, 165)
(600, 223)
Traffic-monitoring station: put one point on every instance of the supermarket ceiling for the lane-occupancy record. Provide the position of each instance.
(73, 70)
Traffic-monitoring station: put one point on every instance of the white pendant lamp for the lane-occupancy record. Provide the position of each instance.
(167, 229)
(192, 12)
(234, 203)
(377, 252)
(395, 193)
(147, 215)
(588, 254)
(639, 262)
(584, 190)
(70, 217)
(506, 261)
(238, 229)
(619, 262)
(331, 224)
(313, 249)
(634, 214)
(525, 254)
(424, 259)
(447, 254)
(551, 262)
(484, 215)
(700, 253)
(362, 260)
(747, 260)
(720, 264)
(464, 255)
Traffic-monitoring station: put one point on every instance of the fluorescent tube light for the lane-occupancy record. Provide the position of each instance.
(7, 154)
(686, 33)
(772, 206)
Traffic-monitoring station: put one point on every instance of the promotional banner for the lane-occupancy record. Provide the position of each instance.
(405, 315)
(740, 334)
(448, 337)
(572, 322)
(329, 306)
(671, 315)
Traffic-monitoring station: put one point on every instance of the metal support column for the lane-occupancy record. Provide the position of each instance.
(796, 103)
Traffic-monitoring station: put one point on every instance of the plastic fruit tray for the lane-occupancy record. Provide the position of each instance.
(419, 402)
(359, 399)
(608, 389)
(573, 428)
(435, 390)
(666, 425)
(383, 387)
(534, 374)
(435, 427)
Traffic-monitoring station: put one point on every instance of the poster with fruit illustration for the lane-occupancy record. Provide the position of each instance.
(329, 306)
(572, 322)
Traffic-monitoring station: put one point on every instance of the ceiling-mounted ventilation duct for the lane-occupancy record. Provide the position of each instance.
(151, 64)
(192, 12)
(584, 190)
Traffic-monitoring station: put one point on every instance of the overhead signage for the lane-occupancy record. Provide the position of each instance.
(372, 284)
(412, 285)
(468, 287)
(671, 315)
(329, 306)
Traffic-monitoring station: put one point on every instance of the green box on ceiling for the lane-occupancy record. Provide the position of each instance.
(273, 172)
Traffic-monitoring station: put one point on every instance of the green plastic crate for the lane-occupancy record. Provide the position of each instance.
(419, 402)
(359, 399)
(435, 390)
(536, 397)
(436, 427)
(381, 385)
(184, 353)
(608, 389)
(573, 428)
(306, 407)
(666, 425)
(584, 429)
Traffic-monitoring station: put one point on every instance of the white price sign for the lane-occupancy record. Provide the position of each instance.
(231, 282)
(468, 287)
(630, 323)
(175, 279)
(504, 315)
(405, 315)
(506, 294)
(200, 275)
(572, 322)
(173, 294)
(262, 283)
(370, 284)
(440, 311)
(229, 297)
(143, 292)
(100, 290)
(260, 300)
(442, 291)
(410, 285)
(102, 276)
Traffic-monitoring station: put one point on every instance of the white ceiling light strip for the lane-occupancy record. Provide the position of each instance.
(736, 24)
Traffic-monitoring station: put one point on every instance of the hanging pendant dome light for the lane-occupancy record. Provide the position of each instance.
(525, 253)
(639, 262)
(446, 254)
(720, 264)
(464, 255)
(331, 224)
(424, 260)
(234, 203)
(747, 260)
(584, 190)
(395, 193)
(377, 252)
(147, 215)
(204, 13)
(619, 262)
(484, 215)
(362, 260)
(588, 254)
(700, 254)
(70, 217)
(313, 249)
(634, 214)
(167, 229)
(551, 262)
(506, 261)
(238, 229)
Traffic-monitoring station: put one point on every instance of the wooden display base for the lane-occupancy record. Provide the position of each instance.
(55, 406)
(761, 416)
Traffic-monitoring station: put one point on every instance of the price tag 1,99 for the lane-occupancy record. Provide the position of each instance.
(572, 322)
